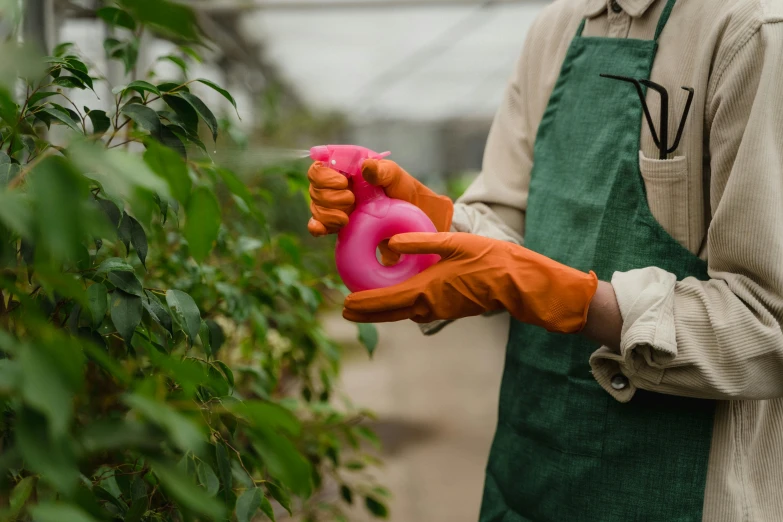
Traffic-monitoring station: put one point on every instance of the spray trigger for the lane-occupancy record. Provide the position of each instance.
(381, 155)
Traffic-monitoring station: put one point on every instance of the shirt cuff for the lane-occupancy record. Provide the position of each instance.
(648, 341)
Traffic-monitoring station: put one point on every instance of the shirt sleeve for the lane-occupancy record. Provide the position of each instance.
(721, 338)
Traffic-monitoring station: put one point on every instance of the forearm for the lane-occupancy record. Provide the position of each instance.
(604, 320)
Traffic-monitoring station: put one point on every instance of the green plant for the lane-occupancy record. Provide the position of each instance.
(160, 352)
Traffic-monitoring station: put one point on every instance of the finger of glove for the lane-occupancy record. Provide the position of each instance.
(331, 218)
(316, 228)
(395, 181)
(332, 198)
(388, 256)
(382, 317)
(403, 295)
(440, 243)
(322, 176)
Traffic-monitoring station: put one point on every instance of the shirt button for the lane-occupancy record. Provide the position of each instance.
(619, 382)
(616, 7)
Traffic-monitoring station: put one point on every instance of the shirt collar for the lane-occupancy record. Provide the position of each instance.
(635, 8)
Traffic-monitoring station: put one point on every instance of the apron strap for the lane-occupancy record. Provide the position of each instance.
(667, 11)
(664, 18)
(581, 27)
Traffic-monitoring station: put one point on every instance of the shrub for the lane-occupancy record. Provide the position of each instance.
(160, 353)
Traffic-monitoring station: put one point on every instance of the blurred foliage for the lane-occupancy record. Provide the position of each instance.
(160, 354)
(457, 184)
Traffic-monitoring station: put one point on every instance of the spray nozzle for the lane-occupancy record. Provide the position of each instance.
(347, 159)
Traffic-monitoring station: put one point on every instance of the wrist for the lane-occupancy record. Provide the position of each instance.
(604, 322)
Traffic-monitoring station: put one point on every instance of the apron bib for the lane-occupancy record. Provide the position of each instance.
(564, 449)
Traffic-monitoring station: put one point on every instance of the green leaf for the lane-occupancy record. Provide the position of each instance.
(113, 264)
(185, 312)
(227, 372)
(140, 86)
(236, 186)
(127, 282)
(145, 117)
(368, 336)
(266, 508)
(156, 310)
(346, 493)
(124, 231)
(281, 495)
(111, 211)
(15, 212)
(98, 297)
(375, 507)
(169, 166)
(123, 175)
(52, 458)
(186, 493)
(176, 60)
(222, 91)
(203, 222)
(70, 82)
(10, 373)
(168, 17)
(163, 206)
(184, 111)
(112, 497)
(248, 504)
(283, 460)
(118, 17)
(190, 52)
(65, 119)
(136, 511)
(125, 313)
(70, 112)
(203, 334)
(267, 415)
(8, 170)
(52, 374)
(62, 48)
(59, 512)
(98, 354)
(20, 494)
(207, 478)
(139, 240)
(35, 98)
(202, 111)
(100, 122)
(75, 69)
(170, 139)
(224, 469)
(171, 87)
(75, 63)
(8, 108)
(216, 338)
(182, 431)
(355, 465)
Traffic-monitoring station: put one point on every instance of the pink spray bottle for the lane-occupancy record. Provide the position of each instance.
(375, 217)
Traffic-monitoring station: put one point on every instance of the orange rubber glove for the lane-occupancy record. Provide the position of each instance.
(332, 201)
(477, 275)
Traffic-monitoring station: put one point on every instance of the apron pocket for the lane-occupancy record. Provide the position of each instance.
(666, 183)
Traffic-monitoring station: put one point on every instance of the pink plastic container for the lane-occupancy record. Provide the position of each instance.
(376, 217)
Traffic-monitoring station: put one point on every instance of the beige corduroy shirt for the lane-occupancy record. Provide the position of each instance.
(720, 195)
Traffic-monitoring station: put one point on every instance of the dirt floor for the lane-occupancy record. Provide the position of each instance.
(436, 398)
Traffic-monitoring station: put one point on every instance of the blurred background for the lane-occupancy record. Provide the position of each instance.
(421, 78)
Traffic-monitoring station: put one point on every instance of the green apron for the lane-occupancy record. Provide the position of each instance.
(564, 449)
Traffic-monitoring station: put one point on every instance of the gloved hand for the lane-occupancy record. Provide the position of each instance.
(477, 275)
(332, 201)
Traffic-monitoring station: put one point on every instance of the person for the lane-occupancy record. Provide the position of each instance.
(644, 368)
